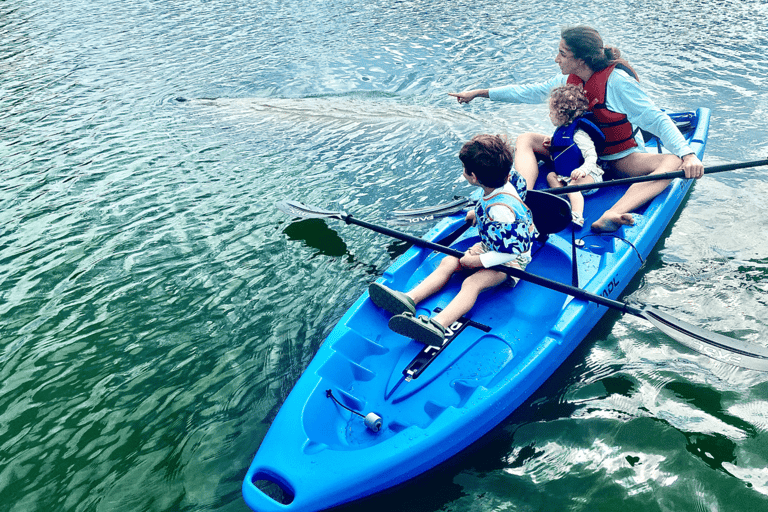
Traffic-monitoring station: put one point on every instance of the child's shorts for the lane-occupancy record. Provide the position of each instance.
(520, 262)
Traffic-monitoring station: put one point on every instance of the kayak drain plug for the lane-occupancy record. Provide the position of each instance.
(372, 420)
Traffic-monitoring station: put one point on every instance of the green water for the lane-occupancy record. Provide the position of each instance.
(156, 309)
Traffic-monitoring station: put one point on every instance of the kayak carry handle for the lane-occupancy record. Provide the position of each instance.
(263, 490)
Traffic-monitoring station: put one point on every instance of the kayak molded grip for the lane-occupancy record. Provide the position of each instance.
(266, 491)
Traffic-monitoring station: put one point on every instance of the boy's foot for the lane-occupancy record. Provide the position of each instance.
(390, 300)
(422, 329)
(577, 219)
(611, 221)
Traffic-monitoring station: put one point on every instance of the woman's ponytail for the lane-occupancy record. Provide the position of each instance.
(586, 44)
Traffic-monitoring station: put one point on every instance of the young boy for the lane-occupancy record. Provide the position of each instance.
(507, 233)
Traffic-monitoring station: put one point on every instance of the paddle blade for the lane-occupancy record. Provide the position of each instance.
(725, 349)
(429, 213)
(297, 209)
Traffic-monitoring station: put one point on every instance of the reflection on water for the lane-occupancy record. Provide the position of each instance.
(316, 234)
(157, 309)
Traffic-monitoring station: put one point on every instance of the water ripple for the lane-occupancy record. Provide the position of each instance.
(156, 309)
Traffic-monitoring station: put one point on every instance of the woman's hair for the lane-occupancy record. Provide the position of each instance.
(586, 44)
(568, 102)
(489, 158)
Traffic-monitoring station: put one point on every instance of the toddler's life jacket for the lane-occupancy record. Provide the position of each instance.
(565, 154)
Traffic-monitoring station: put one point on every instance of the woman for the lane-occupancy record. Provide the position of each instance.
(619, 105)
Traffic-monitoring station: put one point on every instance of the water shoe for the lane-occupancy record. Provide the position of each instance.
(390, 300)
(423, 329)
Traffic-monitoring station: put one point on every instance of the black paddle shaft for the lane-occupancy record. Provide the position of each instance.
(653, 177)
(430, 213)
(730, 350)
(514, 272)
(723, 348)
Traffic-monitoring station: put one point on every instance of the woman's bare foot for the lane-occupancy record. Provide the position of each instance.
(611, 221)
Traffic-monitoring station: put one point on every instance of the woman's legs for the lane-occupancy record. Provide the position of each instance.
(632, 165)
(527, 146)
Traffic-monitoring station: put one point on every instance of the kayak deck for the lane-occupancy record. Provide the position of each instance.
(367, 367)
(320, 453)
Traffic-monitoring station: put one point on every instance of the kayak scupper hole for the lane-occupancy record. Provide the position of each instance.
(274, 488)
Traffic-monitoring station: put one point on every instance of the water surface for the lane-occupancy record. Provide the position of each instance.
(156, 309)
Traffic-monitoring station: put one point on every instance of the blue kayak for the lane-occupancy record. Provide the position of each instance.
(374, 409)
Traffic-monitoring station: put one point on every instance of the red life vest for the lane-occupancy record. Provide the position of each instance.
(619, 135)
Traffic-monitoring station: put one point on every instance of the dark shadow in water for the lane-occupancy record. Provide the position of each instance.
(618, 385)
(709, 400)
(396, 248)
(712, 449)
(316, 234)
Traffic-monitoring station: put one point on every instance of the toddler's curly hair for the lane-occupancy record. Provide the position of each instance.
(569, 102)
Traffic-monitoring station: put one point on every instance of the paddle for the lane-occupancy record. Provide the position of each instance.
(729, 350)
(430, 213)
(459, 203)
(653, 177)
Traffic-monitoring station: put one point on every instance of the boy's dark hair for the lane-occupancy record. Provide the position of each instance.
(489, 158)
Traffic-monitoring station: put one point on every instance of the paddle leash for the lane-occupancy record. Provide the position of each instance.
(717, 346)
(372, 420)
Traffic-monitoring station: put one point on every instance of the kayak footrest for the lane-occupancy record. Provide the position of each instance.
(428, 354)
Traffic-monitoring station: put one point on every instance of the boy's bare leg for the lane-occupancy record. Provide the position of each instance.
(527, 146)
(436, 280)
(636, 164)
(467, 296)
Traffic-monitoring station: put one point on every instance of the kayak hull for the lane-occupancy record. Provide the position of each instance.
(319, 453)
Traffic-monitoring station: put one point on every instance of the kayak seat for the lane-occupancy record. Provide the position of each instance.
(684, 122)
(551, 213)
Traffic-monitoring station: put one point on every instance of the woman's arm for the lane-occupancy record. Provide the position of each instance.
(527, 93)
(624, 95)
(515, 93)
(467, 96)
